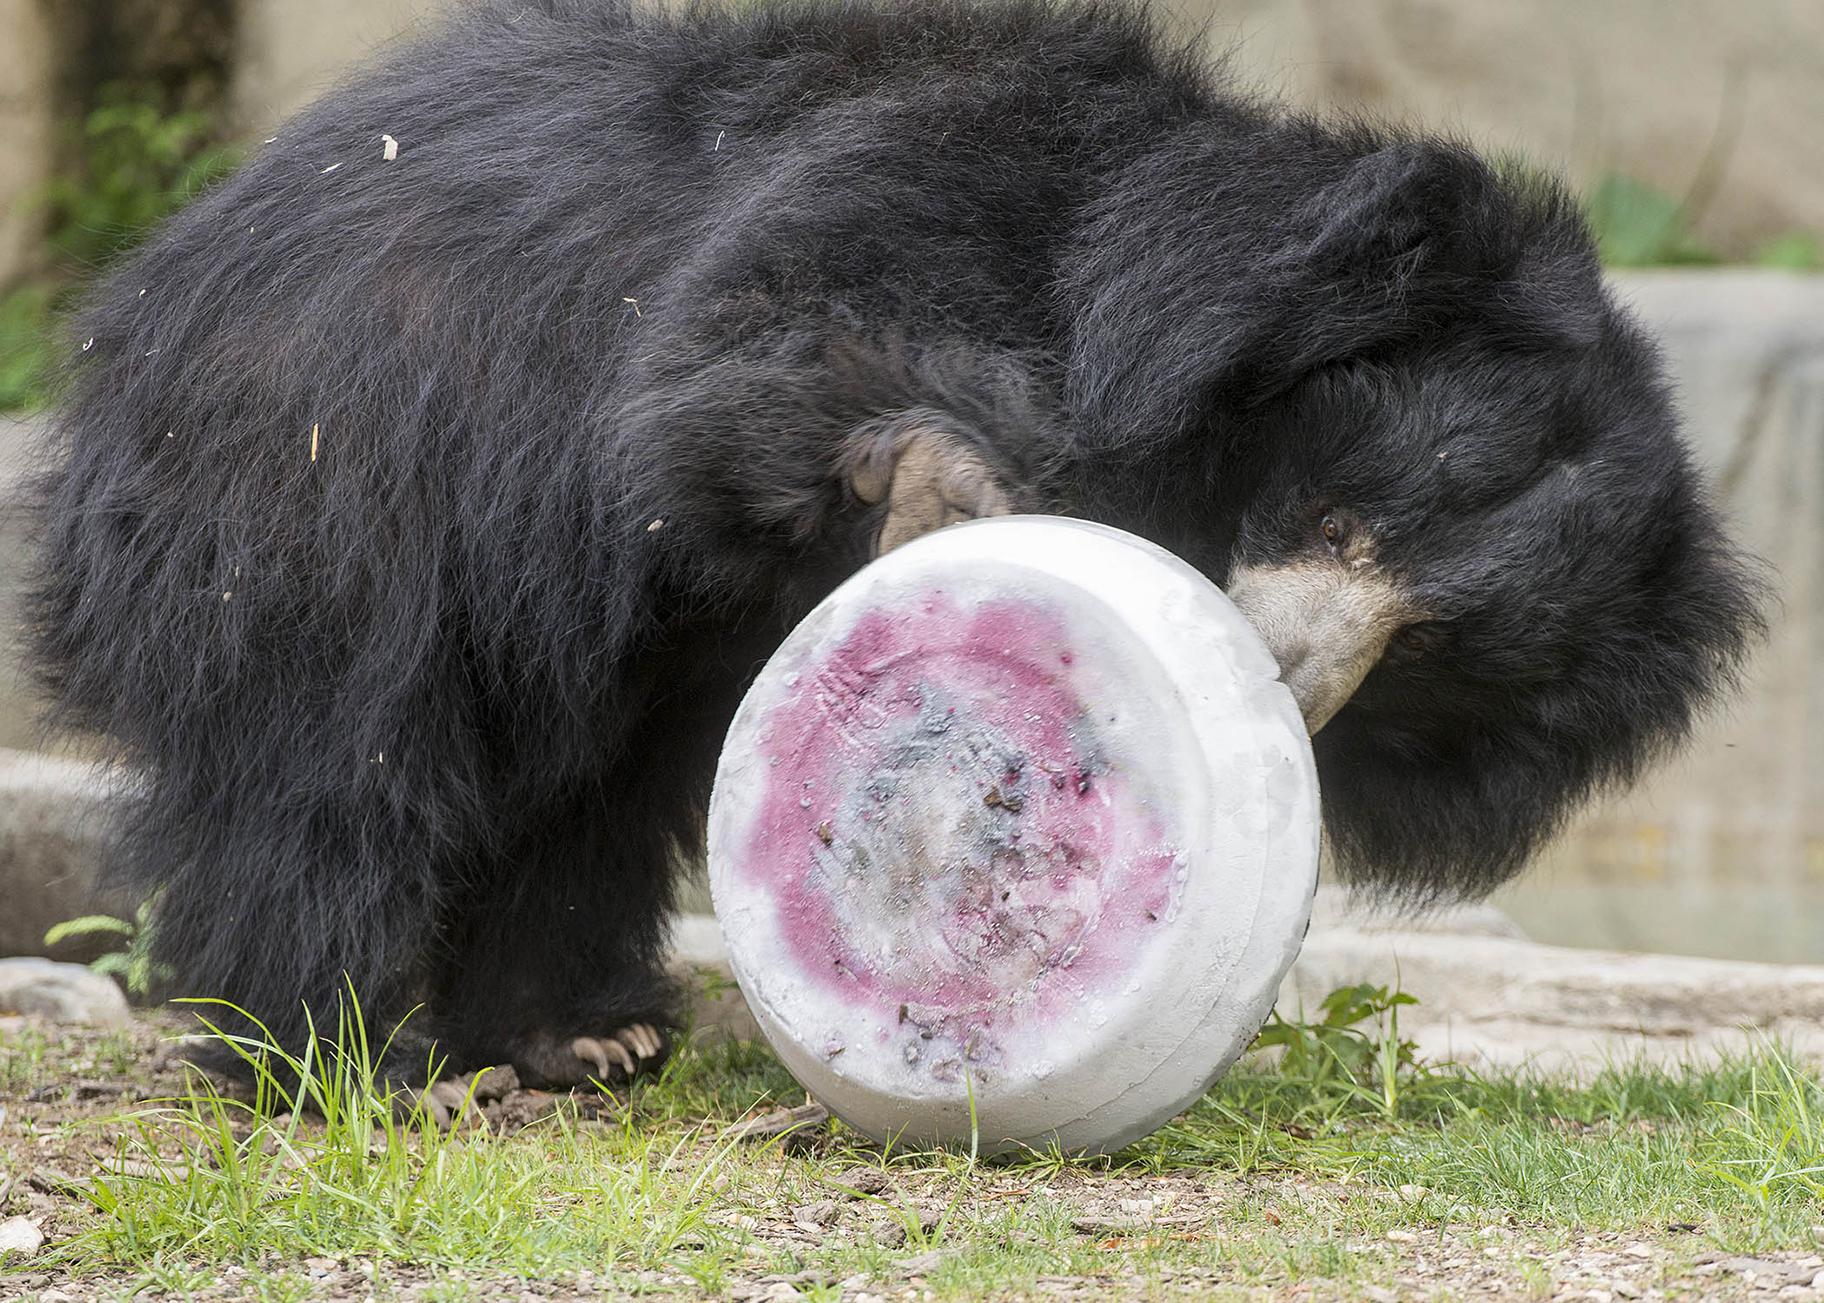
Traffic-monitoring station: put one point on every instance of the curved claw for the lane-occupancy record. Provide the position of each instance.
(603, 1053)
(642, 1039)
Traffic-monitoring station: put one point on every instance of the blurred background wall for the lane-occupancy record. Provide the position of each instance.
(1693, 126)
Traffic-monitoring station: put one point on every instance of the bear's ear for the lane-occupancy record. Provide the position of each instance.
(1375, 258)
(1237, 291)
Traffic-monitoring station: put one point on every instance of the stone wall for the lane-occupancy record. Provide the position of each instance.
(26, 96)
(1722, 852)
(291, 52)
(1587, 85)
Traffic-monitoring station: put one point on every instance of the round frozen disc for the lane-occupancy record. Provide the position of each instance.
(1019, 822)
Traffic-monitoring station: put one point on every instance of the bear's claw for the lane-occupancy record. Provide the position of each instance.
(621, 1055)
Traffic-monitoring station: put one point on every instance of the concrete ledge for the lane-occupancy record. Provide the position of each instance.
(1506, 1001)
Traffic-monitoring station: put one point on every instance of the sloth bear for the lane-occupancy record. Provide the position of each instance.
(421, 507)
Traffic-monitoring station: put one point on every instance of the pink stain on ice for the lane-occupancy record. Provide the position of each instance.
(941, 833)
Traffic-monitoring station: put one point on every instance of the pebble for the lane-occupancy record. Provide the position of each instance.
(920, 1264)
(862, 1180)
(20, 1235)
(65, 993)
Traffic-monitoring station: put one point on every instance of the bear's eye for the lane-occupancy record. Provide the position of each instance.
(1418, 639)
(1332, 529)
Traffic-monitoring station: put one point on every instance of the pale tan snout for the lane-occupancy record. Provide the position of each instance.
(1326, 623)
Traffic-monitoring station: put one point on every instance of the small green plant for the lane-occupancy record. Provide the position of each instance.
(1793, 251)
(1353, 1047)
(1637, 225)
(140, 164)
(132, 965)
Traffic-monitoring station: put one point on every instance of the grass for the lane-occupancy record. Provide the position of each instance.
(1287, 1171)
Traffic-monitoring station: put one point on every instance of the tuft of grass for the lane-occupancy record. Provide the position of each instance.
(329, 1160)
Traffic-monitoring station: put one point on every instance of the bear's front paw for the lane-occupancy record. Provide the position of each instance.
(928, 478)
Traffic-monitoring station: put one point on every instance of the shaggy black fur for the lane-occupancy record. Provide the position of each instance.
(349, 541)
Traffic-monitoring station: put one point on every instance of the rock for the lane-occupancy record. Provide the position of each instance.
(67, 993)
(858, 1182)
(921, 1264)
(20, 1235)
(50, 829)
(699, 964)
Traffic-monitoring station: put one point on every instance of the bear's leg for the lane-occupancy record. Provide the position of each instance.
(555, 964)
(554, 959)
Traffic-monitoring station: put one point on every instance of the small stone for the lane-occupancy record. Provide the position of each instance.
(20, 1235)
(1639, 1250)
(65, 993)
(1379, 1294)
(817, 1215)
(890, 1235)
(920, 1264)
(862, 1180)
(1402, 1237)
(1413, 1193)
(1625, 1288)
(496, 1083)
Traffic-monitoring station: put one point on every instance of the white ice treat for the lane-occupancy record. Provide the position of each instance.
(1022, 813)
